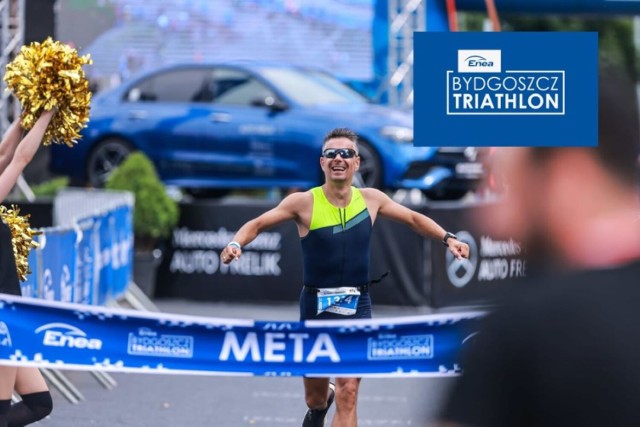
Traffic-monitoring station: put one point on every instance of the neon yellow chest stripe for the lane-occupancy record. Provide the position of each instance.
(327, 215)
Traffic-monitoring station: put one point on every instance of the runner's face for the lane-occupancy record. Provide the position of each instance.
(339, 169)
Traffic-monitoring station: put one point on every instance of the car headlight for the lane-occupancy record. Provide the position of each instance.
(397, 133)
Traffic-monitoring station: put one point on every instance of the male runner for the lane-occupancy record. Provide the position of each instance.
(335, 223)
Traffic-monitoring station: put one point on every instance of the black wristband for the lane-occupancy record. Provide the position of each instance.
(446, 237)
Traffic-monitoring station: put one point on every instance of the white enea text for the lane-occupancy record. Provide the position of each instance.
(63, 335)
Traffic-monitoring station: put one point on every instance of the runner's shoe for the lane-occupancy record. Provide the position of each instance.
(318, 417)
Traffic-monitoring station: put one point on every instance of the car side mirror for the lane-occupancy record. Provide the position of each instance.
(270, 102)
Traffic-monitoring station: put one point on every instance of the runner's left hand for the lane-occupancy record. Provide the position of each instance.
(458, 249)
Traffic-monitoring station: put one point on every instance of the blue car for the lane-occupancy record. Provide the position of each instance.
(249, 125)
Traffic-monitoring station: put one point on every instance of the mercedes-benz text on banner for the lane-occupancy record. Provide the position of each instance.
(506, 89)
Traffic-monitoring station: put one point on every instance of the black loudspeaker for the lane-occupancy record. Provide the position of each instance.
(39, 24)
(39, 20)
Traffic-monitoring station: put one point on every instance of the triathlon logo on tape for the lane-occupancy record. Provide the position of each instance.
(146, 342)
(394, 347)
(506, 89)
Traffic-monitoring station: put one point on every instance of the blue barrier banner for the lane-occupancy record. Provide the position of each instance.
(122, 249)
(104, 270)
(70, 336)
(29, 287)
(506, 89)
(85, 261)
(58, 264)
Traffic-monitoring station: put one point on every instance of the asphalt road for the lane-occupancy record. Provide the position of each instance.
(188, 400)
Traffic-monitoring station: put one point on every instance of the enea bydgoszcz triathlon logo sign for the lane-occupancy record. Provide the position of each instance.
(506, 89)
(480, 86)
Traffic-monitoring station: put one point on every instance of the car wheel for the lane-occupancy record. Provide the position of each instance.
(370, 172)
(104, 158)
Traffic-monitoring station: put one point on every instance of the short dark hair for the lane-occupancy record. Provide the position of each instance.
(618, 126)
(341, 133)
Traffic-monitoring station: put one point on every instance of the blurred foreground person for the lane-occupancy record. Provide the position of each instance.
(565, 352)
(335, 222)
(15, 153)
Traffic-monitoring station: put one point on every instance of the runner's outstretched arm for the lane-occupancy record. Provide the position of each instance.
(286, 210)
(418, 222)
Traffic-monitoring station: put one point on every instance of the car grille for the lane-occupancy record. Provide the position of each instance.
(418, 169)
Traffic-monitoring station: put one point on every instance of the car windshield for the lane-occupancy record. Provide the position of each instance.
(311, 87)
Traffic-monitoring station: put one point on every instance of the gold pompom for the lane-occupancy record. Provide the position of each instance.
(49, 75)
(21, 238)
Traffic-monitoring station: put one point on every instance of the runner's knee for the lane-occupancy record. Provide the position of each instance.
(315, 399)
(347, 394)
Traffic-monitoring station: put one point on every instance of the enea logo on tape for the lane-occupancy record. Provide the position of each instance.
(506, 89)
(68, 336)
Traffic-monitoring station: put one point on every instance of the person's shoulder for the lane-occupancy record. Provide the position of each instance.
(300, 198)
(370, 193)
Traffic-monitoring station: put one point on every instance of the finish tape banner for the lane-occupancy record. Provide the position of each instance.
(59, 335)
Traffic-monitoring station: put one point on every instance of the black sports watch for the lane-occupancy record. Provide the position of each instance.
(447, 236)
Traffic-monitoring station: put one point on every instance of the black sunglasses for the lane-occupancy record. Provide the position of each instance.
(345, 153)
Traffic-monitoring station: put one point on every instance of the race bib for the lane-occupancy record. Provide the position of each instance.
(338, 300)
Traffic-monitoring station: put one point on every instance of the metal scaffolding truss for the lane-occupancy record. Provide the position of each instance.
(11, 40)
(405, 17)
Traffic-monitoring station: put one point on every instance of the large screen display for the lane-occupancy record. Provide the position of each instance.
(125, 37)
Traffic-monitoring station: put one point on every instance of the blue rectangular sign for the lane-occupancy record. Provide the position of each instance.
(506, 89)
(575, 7)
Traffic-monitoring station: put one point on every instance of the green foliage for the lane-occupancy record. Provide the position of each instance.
(50, 188)
(615, 34)
(471, 21)
(155, 213)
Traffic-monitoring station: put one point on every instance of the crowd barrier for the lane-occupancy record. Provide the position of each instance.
(86, 257)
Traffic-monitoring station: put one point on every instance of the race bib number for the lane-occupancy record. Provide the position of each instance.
(338, 300)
